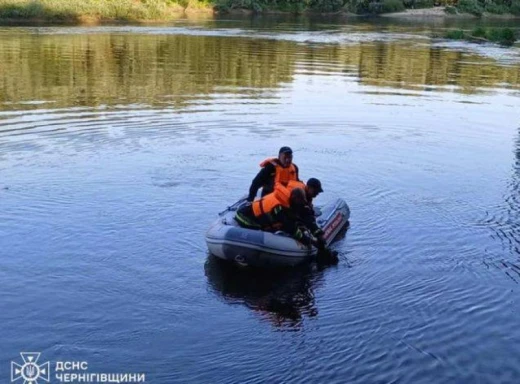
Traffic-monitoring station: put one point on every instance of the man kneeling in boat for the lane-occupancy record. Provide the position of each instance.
(306, 213)
(277, 211)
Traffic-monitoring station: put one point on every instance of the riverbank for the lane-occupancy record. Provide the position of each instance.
(427, 12)
(99, 11)
(441, 12)
(150, 11)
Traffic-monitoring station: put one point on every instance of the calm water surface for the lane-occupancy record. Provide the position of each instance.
(118, 146)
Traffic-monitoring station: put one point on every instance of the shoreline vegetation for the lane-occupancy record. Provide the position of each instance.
(100, 11)
(502, 36)
(149, 11)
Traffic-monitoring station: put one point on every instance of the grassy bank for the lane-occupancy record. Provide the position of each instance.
(98, 10)
(160, 10)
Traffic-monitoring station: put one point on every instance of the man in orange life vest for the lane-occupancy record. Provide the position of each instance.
(274, 170)
(312, 188)
(306, 213)
(276, 211)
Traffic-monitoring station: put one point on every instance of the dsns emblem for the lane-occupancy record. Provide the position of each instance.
(30, 371)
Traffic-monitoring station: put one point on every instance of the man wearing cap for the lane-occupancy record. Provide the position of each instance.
(312, 189)
(306, 213)
(274, 170)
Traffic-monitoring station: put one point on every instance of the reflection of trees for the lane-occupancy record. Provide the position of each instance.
(282, 297)
(108, 69)
(400, 65)
(121, 69)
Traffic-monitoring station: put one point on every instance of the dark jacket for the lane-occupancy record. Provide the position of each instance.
(307, 217)
(265, 180)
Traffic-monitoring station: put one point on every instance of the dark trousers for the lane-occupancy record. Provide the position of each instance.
(245, 217)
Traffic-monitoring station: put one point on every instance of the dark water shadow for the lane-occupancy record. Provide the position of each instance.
(282, 297)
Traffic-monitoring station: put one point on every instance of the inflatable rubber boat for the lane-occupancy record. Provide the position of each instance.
(228, 241)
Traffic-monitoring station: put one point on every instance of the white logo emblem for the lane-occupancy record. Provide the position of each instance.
(30, 371)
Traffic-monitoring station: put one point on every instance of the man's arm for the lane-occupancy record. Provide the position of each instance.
(261, 179)
(290, 225)
(309, 220)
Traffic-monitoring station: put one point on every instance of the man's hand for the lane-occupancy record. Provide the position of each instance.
(306, 240)
(321, 243)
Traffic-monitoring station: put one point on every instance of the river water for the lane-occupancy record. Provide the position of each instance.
(119, 144)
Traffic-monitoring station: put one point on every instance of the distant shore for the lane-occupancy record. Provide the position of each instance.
(441, 13)
(91, 12)
(433, 12)
(427, 12)
(99, 11)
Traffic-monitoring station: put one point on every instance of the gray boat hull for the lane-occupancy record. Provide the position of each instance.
(228, 241)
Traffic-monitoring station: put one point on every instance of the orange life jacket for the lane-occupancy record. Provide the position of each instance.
(263, 207)
(282, 175)
(266, 204)
(293, 184)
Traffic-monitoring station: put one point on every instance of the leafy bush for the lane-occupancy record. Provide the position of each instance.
(498, 9)
(479, 32)
(450, 10)
(507, 3)
(358, 6)
(392, 6)
(254, 5)
(183, 3)
(504, 36)
(375, 7)
(515, 7)
(293, 6)
(470, 6)
(445, 3)
(326, 5)
(455, 34)
(423, 4)
(22, 10)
